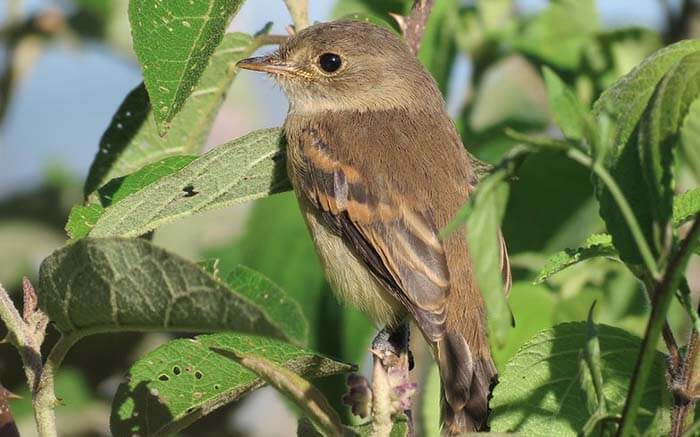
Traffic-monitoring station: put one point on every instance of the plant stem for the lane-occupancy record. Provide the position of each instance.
(661, 300)
(683, 399)
(413, 26)
(299, 10)
(624, 206)
(44, 400)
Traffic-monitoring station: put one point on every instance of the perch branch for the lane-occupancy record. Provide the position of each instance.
(413, 26)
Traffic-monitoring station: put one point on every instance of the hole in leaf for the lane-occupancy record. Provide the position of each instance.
(190, 410)
(198, 374)
(217, 386)
(189, 191)
(176, 370)
(163, 377)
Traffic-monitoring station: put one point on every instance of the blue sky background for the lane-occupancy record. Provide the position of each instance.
(62, 107)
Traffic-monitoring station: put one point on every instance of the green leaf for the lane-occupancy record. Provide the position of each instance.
(82, 219)
(541, 392)
(430, 403)
(131, 141)
(183, 380)
(559, 35)
(108, 285)
(569, 113)
(659, 132)
(276, 303)
(244, 169)
(625, 103)
(594, 246)
(686, 206)
(173, 42)
(484, 213)
(299, 390)
(690, 138)
(119, 188)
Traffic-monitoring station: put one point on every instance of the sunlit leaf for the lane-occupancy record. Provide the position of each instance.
(595, 245)
(173, 42)
(244, 169)
(107, 285)
(184, 380)
(541, 392)
(131, 141)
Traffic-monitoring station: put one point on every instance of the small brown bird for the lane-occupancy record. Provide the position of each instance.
(379, 169)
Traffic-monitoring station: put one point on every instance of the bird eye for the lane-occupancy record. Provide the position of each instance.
(329, 62)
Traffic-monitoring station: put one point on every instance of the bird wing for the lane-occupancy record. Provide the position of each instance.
(395, 238)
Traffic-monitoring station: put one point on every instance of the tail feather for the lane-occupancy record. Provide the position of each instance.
(467, 376)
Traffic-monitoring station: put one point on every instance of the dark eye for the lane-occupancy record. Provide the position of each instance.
(329, 62)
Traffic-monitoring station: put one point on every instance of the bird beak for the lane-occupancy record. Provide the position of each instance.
(268, 64)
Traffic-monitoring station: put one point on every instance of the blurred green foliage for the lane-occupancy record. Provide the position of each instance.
(551, 204)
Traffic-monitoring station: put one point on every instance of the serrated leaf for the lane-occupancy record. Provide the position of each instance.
(244, 169)
(119, 188)
(299, 390)
(559, 34)
(625, 103)
(569, 113)
(183, 380)
(541, 393)
(82, 219)
(686, 206)
(173, 42)
(594, 246)
(107, 285)
(132, 140)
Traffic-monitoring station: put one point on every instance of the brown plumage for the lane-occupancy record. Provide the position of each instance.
(379, 169)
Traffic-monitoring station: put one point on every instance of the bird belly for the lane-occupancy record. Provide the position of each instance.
(350, 279)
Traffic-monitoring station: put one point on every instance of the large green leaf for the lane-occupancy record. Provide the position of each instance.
(106, 285)
(560, 33)
(595, 245)
(659, 132)
(545, 389)
(184, 379)
(625, 103)
(173, 42)
(244, 169)
(132, 140)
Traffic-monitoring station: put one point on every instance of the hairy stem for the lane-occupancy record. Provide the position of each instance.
(413, 26)
(683, 396)
(661, 300)
(44, 398)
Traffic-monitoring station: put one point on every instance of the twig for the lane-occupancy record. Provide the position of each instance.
(413, 26)
(299, 10)
(661, 300)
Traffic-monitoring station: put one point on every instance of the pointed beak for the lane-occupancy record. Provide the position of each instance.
(268, 64)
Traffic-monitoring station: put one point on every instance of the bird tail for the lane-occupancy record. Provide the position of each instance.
(467, 376)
